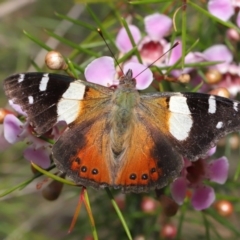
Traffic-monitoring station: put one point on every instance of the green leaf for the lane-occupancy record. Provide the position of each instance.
(115, 206)
(101, 26)
(37, 41)
(206, 224)
(184, 208)
(53, 176)
(77, 22)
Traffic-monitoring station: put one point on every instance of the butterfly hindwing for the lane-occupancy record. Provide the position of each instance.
(149, 160)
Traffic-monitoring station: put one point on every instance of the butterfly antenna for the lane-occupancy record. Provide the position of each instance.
(101, 34)
(173, 46)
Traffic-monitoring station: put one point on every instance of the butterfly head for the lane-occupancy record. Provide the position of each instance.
(127, 81)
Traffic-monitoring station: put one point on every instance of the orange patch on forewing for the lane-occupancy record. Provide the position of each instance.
(92, 93)
(93, 105)
(156, 112)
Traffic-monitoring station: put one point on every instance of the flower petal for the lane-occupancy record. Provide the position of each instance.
(101, 71)
(219, 52)
(218, 170)
(211, 151)
(144, 79)
(157, 25)
(123, 41)
(203, 197)
(152, 51)
(12, 128)
(17, 108)
(238, 19)
(178, 190)
(222, 9)
(38, 156)
(175, 54)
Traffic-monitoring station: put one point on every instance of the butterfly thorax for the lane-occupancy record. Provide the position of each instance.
(125, 99)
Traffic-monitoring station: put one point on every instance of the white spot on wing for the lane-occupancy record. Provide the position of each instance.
(44, 82)
(75, 91)
(235, 106)
(178, 104)
(69, 106)
(212, 104)
(21, 77)
(180, 121)
(68, 110)
(219, 125)
(30, 99)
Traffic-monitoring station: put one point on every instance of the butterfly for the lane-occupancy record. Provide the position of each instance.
(118, 137)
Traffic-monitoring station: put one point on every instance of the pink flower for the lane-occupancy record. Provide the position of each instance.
(153, 45)
(13, 127)
(224, 9)
(176, 54)
(103, 72)
(39, 156)
(219, 52)
(229, 71)
(123, 41)
(14, 131)
(192, 177)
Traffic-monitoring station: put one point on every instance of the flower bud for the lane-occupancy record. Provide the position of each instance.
(233, 35)
(169, 207)
(55, 61)
(148, 205)
(3, 113)
(224, 208)
(53, 190)
(213, 76)
(221, 91)
(184, 78)
(168, 231)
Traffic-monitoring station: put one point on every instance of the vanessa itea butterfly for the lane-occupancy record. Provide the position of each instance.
(119, 137)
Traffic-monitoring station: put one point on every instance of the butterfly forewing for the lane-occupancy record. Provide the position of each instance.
(48, 98)
(193, 122)
(38, 95)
